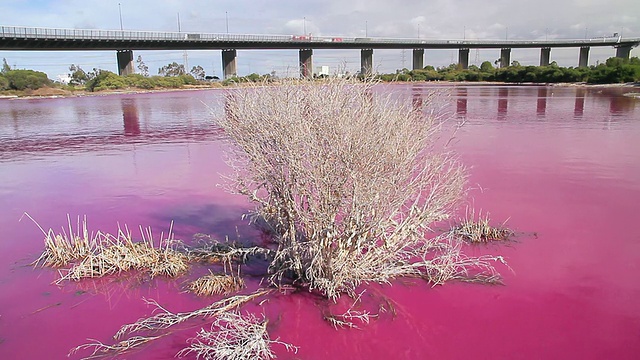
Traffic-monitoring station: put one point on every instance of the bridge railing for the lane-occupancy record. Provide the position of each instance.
(88, 34)
(126, 35)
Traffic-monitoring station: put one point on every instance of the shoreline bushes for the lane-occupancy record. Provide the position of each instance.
(613, 71)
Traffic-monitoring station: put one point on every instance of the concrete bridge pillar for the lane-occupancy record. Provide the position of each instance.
(584, 56)
(306, 63)
(505, 57)
(463, 58)
(366, 62)
(229, 67)
(418, 59)
(545, 56)
(125, 62)
(623, 51)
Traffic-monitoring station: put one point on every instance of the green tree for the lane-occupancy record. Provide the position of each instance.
(78, 76)
(26, 79)
(197, 72)
(5, 66)
(486, 66)
(142, 67)
(173, 69)
(4, 83)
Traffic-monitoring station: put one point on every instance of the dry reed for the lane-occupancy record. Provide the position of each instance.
(164, 319)
(349, 180)
(101, 350)
(235, 337)
(479, 230)
(102, 254)
(62, 249)
(139, 333)
(216, 284)
(348, 318)
(213, 251)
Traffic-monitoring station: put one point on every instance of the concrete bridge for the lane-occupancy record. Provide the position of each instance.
(124, 42)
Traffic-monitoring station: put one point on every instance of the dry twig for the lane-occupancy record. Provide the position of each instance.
(235, 337)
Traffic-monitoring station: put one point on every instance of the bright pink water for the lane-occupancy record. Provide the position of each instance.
(560, 162)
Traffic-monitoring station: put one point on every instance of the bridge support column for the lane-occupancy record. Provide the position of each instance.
(505, 57)
(366, 62)
(229, 68)
(545, 56)
(125, 62)
(584, 56)
(418, 59)
(306, 63)
(463, 58)
(623, 51)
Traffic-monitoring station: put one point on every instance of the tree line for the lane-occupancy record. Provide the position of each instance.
(174, 75)
(613, 70)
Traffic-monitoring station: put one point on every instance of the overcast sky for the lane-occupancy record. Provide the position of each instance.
(434, 19)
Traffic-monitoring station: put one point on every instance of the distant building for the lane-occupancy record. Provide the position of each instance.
(322, 70)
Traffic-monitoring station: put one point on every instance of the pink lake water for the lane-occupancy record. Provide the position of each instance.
(562, 164)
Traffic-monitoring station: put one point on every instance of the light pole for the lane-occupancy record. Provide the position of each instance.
(366, 29)
(418, 30)
(226, 18)
(178, 22)
(120, 12)
(304, 25)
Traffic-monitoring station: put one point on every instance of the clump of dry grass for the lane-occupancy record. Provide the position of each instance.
(216, 284)
(348, 178)
(479, 230)
(234, 336)
(62, 249)
(102, 254)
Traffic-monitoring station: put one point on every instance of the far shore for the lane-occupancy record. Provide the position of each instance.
(53, 93)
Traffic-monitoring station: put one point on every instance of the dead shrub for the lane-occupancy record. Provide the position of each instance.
(348, 178)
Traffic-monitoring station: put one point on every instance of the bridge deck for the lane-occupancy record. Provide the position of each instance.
(24, 38)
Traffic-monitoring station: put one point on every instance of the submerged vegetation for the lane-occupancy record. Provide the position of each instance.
(348, 184)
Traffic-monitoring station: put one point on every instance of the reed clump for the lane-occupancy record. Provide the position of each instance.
(216, 284)
(81, 256)
(64, 248)
(348, 179)
(480, 230)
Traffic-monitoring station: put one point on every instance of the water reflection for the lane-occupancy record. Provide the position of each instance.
(461, 102)
(578, 107)
(416, 98)
(503, 102)
(51, 126)
(541, 107)
(130, 116)
(620, 105)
